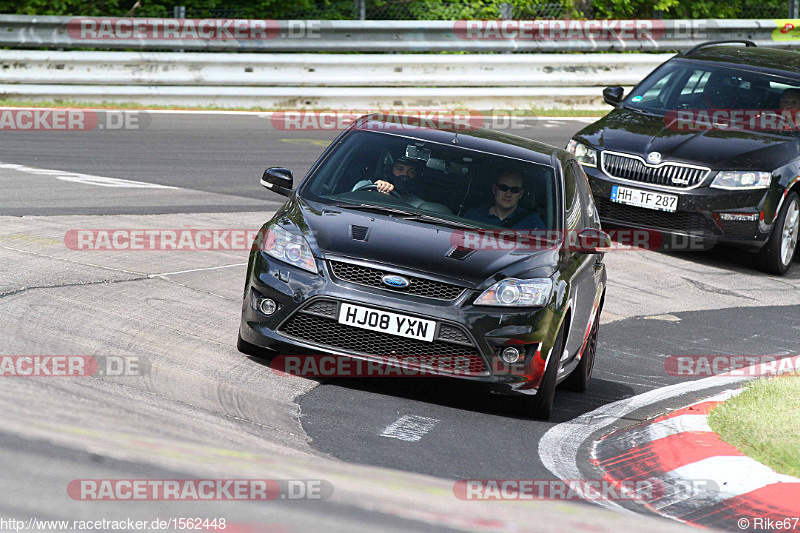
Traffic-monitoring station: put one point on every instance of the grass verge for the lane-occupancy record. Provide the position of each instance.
(534, 112)
(764, 422)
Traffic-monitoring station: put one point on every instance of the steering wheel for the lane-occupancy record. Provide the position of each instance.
(373, 187)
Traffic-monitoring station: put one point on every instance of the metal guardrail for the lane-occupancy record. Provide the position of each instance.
(325, 70)
(321, 81)
(21, 31)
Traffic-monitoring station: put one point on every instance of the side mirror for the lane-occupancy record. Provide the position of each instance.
(278, 179)
(593, 241)
(613, 95)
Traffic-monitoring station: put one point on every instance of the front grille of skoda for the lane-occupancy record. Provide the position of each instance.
(670, 175)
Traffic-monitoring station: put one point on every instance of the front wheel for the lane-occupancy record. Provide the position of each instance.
(578, 381)
(777, 255)
(540, 406)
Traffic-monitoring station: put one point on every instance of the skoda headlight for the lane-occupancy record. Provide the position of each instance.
(585, 155)
(289, 248)
(748, 179)
(517, 293)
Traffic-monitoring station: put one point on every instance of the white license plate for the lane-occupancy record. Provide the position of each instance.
(647, 199)
(386, 322)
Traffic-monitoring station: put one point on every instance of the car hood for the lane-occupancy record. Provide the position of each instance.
(409, 245)
(627, 131)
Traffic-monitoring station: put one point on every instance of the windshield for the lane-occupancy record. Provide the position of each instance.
(753, 100)
(435, 183)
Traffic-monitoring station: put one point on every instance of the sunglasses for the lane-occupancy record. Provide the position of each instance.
(503, 188)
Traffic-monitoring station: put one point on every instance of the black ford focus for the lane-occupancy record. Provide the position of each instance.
(705, 149)
(434, 248)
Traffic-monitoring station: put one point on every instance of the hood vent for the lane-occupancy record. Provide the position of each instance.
(359, 233)
(460, 253)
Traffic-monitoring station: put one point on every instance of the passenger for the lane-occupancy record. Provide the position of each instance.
(790, 99)
(506, 211)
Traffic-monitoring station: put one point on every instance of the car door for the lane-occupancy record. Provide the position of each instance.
(580, 214)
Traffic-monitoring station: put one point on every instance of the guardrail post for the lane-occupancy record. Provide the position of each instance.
(506, 11)
(361, 9)
(794, 9)
(180, 13)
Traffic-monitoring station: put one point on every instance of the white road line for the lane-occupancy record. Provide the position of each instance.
(195, 270)
(85, 179)
(409, 428)
(558, 448)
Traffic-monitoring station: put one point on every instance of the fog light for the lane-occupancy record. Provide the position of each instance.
(267, 306)
(511, 355)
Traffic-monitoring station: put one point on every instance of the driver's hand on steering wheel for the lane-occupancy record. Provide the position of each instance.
(384, 186)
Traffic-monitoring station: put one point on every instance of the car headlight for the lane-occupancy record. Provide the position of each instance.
(742, 180)
(289, 248)
(517, 293)
(585, 155)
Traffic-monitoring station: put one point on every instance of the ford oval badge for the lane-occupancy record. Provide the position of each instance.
(396, 282)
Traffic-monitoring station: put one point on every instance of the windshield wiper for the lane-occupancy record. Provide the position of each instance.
(441, 221)
(409, 215)
(376, 208)
(641, 111)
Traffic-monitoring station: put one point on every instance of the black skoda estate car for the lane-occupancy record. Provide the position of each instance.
(705, 147)
(419, 275)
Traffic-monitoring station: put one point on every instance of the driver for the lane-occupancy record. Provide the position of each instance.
(398, 177)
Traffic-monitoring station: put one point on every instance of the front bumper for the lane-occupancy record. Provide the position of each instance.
(703, 214)
(467, 339)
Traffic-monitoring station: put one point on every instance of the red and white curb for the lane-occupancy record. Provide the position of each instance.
(698, 478)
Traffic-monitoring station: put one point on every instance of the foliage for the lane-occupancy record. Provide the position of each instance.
(406, 9)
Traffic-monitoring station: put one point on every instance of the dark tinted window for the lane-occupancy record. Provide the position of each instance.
(450, 181)
(697, 85)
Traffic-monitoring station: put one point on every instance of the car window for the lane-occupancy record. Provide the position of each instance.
(591, 217)
(693, 85)
(696, 82)
(452, 182)
(654, 95)
(572, 198)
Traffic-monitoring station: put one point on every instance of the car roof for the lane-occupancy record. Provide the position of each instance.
(759, 58)
(475, 138)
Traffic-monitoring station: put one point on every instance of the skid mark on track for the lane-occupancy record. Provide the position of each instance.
(409, 428)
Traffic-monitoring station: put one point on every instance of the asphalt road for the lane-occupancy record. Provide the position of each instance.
(201, 409)
(222, 156)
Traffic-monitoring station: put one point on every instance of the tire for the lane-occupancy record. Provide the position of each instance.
(540, 406)
(578, 380)
(777, 255)
(251, 349)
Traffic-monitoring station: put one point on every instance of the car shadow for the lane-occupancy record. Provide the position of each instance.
(476, 396)
(730, 258)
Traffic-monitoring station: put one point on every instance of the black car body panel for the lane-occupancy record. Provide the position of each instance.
(445, 286)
